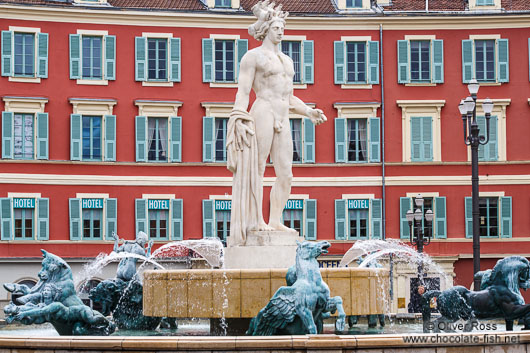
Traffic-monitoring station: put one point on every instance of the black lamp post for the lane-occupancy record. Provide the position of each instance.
(419, 239)
(468, 110)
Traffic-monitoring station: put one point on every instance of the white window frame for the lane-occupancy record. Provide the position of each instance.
(103, 214)
(294, 38)
(170, 223)
(365, 39)
(341, 5)
(233, 37)
(420, 37)
(473, 6)
(96, 33)
(235, 4)
(167, 83)
(34, 31)
(369, 221)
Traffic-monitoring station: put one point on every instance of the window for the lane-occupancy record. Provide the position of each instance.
(357, 140)
(158, 139)
(214, 139)
(216, 219)
(485, 59)
(23, 223)
(356, 61)
(300, 215)
(301, 53)
(158, 219)
(157, 59)
(485, 5)
(93, 217)
(92, 224)
(222, 220)
(93, 138)
(24, 218)
(420, 61)
(293, 50)
(24, 54)
(358, 224)
(359, 218)
(303, 136)
(23, 136)
(437, 228)
(495, 216)
(354, 4)
(223, 3)
(485, 2)
(160, 216)
(92, 57)
(221, 58)
(421, 138)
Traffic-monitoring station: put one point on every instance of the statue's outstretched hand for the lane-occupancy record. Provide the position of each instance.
(317, 116)
(242, 130)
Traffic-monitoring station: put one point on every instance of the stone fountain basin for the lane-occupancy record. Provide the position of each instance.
(218, 293)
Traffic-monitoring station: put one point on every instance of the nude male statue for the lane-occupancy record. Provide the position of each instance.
(265, 130)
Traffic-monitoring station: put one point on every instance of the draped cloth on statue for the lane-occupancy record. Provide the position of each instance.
(243, 162)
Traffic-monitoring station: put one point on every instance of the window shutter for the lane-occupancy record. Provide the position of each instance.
(43, 218)
(438, 60)
(467, 60)
(506, 217)
(308, 75)
(405, 204)
(175, 62)
(7, 53)
(469, 217)
(42, 136)
(310, 209)
(110, 57)
(440, 218)
(76, 226)
(340, 62)
(140, 213)
(140, 60)
(427, 138)
(207, 60)
(376, 209)
(373, 68)
(176, 138)
(309, 141)
(340, 140)
(42, 55)
(374, 139)
(493, 143)
(141, 139)
(75, 56)
(503, 63)
(208, 218)
(341, 217)
(75, 137)
(176, 219)
(415, 138)
(6, 215)
(482, 149)
(8, 130)
(242, 48)
(403, 61)
(110, 138)
(111, 213)
(208, 139)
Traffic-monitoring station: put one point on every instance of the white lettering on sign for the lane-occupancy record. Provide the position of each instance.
(294, 205)
(92, 203)
(358, 204)
(23, 203)
(223, 205)
(158, 204)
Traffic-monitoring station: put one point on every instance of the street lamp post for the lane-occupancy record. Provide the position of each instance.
(419, 239)
(468, 111)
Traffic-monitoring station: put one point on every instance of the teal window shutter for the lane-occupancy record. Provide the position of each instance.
(341, 219)
(140, 214)
(111, 213)
(340, 140)
(8, 130)
(110, 57)
(440, 218)
(141, 138)
(309, 141)
(438, 61)
(376, 209)
(43, 218)
(242, 48)
(42, 55)
(208, 139)
(374, 139)
(6, 215)
(140, 58)
(75, 56)
(176, 219)
(489, 151)
(76, 137)
(469, 216)
(339, 48)
(174, 59)
(503, 64)
(310, 209)
(7, 53)
(467, 60)
(42, 136)
(176, 139)
(110, 138)
(308, 73)
(403, 61)
(405, 204)
(427, 138)
(421, 139)
(207, 60)
(373, 68)
(208, 218)
(76, 224)
(506, 217)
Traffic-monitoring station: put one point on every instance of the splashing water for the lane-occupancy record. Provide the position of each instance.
(210, 249)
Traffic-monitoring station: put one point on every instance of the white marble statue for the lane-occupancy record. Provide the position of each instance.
(265, 130)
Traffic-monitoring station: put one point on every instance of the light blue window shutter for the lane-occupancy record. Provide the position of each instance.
(43, 218)
(376, 209)
(482, 149)
(467, 60)
(493, 143)
(208, 139)
(416, 139)
(110, 138)
(340, 62)
(176, 138)
(438, 60)
(207, 60)
(405, 204)
(42, 55)
(374, 139)
(76, 224)
(469, 216)
(8, 131)
(503, 67)
(140, 213)
(140, 59)
(75, 137)
(208, 218)
(174, 61)
(176, 219)
(7, 53)
(427, 138)
(42, 136)
(340, 140)
(308, 76)
(341, 219)
(440, 218)
(373, 66)
(242, 48)
(141, 138)
(310, 209)
(75, 56)
(506, 217)
(111, 213)
(110, 57)
(309, 141)
(403, 61)
(6, 215)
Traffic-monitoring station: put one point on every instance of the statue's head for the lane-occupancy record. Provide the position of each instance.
(141, 238)
(308, 249)
(50, 293)
(268, 18)
(53, 268)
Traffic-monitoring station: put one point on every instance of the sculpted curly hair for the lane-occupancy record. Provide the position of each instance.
(266, 14)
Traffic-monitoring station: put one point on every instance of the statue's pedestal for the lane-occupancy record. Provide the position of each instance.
(266, 249)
